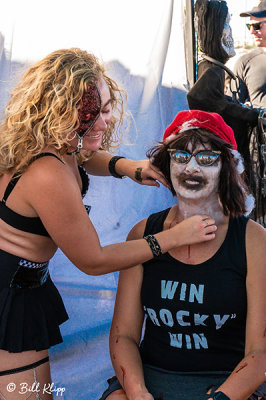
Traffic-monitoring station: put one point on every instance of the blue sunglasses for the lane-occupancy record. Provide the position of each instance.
(204, 158)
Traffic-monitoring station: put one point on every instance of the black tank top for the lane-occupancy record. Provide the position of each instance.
(32, 224)
(196, 314)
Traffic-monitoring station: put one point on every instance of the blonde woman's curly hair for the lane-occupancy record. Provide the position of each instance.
(43, 108)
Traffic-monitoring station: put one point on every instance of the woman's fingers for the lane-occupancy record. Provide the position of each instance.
(150, 176)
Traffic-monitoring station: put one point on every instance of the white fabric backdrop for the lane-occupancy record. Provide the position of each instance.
(142, 45)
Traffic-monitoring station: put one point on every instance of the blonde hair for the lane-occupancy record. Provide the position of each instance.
(43, 108)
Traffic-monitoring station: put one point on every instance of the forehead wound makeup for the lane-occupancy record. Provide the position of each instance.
(90, 110)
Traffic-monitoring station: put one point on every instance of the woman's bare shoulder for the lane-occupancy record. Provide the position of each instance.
(255, 246)
(137, 231)
(255, 234)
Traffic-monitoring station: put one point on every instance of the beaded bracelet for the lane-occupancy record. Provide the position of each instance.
(154, 245)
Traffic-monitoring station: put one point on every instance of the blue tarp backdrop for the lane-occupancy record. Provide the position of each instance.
(142, 45)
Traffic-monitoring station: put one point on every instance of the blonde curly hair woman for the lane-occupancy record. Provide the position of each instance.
(65, 112)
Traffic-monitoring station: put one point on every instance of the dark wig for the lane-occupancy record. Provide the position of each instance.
(232, 189)
(211, 19)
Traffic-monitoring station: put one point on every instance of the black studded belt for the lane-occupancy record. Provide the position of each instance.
(30, 274)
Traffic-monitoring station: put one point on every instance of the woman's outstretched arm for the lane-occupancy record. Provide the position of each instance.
(150, 175)
(55, 196)
(126, 329)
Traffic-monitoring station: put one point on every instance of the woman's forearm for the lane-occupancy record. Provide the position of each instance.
(98, 164)
(148, 174)
(127, 364)
(116, 257)
(246, 377)
(119, 256)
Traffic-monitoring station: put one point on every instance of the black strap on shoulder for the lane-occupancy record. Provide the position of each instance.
(14, 180)
(84, 179)
(220, 64)
(47, 154)
(155, 222)
(12, 183)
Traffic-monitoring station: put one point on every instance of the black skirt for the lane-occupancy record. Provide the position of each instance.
(31, 308)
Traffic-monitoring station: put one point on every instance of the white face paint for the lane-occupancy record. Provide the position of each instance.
(227, 38)
(192, 182)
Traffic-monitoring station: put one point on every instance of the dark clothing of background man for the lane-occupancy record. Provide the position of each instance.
(251, 69)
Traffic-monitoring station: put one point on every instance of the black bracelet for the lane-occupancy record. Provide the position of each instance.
(111, 167)
(154, 245)
(217, 395)
(220, 396)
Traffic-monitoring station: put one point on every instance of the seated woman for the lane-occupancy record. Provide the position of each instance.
(204, 332)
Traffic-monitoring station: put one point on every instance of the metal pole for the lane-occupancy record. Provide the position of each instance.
(190, 47)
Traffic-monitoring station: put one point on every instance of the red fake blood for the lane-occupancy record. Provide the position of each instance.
(123, 373)
(241, 367)
(188, 251)
(117, 340)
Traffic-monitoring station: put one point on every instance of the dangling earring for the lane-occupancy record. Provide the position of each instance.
(80, 144)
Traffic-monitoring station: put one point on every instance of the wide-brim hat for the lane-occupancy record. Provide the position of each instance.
(258, 11)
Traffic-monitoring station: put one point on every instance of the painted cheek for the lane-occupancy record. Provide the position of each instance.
(213, 170)
(175, 170)
(212, 175)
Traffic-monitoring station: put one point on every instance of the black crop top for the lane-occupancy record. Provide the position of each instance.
(33, 224)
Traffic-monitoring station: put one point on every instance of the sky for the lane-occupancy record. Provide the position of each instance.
(239, 29)
(22, 16)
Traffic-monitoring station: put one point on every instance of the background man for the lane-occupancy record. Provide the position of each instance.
(251, 67)
(251, 71)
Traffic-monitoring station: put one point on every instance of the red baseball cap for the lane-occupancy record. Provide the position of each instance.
(212, 122)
